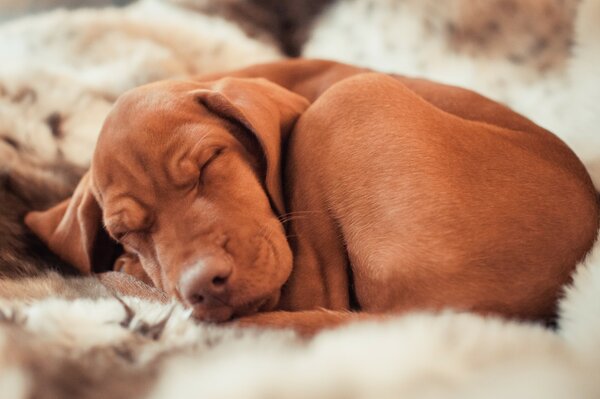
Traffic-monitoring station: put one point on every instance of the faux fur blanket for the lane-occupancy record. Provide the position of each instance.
(68, 337)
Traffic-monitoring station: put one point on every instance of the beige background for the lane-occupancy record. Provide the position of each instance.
(15, 8)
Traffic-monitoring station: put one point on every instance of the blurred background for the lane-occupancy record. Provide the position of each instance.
(278, 18)
(17, 8)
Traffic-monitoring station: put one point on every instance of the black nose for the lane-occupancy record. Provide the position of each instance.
(205, 282)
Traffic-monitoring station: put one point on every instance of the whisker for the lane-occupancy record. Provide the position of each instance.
(297, 213)
(288, 219)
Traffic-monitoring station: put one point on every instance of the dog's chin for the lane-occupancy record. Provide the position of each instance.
(260, 305)
(225, 313)
(214, 315)
(271, 302)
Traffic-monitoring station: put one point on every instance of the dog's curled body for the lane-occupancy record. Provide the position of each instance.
(399, 194)
(429, 209)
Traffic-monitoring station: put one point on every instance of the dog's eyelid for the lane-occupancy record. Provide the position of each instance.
(210, 156)
(121, 233)
(206, 160)
(117, 234)
(128, 235)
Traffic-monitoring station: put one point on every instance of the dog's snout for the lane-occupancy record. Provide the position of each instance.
(205, 282)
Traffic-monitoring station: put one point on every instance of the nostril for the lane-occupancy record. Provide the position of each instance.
(205, 281)
(219, 281)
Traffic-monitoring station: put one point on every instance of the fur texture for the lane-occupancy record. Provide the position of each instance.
(71, 338)
(286, 23)
(118, 340)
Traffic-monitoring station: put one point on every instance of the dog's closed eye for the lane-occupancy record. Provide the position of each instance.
(131, 239)
(127, 233)
(207, 157)
(120, 235)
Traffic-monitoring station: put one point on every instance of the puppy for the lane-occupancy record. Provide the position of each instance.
(399, 194)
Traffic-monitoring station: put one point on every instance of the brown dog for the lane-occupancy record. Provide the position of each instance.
(400, 194)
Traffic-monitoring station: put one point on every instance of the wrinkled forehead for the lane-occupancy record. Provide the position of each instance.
(150, 113)
(147, 139)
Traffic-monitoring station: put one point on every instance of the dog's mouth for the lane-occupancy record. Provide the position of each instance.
(234, 300)
(225, 312)
(215, 314)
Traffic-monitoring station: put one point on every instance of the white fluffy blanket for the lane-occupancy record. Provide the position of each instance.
(61, 343)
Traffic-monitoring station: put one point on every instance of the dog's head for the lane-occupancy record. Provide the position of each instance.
(186, 177)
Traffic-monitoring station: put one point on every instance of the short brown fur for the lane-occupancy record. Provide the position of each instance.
(399, 194)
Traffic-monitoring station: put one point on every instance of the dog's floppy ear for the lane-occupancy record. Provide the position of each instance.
(268, 110)
(73, 230)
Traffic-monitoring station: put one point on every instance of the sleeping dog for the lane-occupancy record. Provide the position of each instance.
(303, 189)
